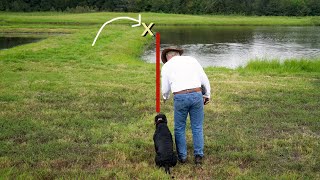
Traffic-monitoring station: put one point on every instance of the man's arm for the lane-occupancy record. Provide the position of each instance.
(206, 84)
(165, 85)
(204, 81)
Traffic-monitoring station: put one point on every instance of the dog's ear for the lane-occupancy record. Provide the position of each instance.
(156, 119)
(164, 118)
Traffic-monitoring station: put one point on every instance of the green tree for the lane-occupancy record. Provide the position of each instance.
(220, 7)
(20, 5)
(247, 7)
(4, 5)
(314, 7)
(138, 5)
(108, 5)
(260, 7)
(45, 5)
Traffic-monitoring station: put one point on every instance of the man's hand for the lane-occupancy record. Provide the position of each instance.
(164, 101)
(206, 100)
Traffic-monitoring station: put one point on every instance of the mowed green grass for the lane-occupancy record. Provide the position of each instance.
(55, 18)
(69, 110)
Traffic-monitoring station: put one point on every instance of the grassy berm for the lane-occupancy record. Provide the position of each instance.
(72, 111)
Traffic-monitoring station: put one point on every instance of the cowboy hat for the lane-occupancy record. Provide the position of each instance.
(165, 51)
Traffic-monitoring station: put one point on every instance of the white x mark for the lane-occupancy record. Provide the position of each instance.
(148, 29)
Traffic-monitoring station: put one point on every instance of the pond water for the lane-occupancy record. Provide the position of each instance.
(9, 42)
(234, 46)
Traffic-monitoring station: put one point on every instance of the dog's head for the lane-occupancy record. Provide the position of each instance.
(160, 118)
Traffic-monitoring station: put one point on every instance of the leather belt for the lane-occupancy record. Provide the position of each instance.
(198, 89)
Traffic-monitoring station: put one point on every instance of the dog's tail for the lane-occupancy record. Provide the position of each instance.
(167, 169)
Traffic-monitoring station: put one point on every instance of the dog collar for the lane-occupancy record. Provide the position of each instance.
(159, 121)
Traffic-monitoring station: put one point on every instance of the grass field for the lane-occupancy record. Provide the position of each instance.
(72, 111)
(54, 18)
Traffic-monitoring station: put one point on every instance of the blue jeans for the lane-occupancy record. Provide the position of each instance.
(191, 103)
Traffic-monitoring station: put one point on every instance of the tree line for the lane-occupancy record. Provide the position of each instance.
(242, 7)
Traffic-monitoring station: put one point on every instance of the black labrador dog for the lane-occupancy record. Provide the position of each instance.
(163, 144)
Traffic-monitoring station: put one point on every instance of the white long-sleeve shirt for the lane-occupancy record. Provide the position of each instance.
(181, 73)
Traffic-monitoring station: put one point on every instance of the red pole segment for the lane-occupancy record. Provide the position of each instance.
(158, 72)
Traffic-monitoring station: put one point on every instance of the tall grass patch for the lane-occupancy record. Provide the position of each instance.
(286, 66)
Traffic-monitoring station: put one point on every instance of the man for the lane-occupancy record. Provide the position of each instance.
(184, 76)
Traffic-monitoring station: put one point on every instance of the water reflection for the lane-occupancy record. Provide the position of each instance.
(9, 42)
(233, 46)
